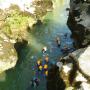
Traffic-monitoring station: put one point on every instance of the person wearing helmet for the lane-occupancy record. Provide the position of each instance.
(58, 41)
(46, 59)
(40, 68)
(35, 82)
(45, 67)
(38, 63)
(44, 49)
(46, 73)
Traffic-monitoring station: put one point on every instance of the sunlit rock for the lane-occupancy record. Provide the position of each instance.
(84, 61)
(38, 8)
(69, 88)
(85, 86)
(80, 77)
(8, 55)
(2, 77)
(67, 68)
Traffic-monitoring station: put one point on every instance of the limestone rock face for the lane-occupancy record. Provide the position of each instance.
(84, 61)
(8, 55)
(79, 21)
(75, 71)
(82, 57)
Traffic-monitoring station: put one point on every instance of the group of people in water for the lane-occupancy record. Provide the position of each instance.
(42, 66)
(41, 70)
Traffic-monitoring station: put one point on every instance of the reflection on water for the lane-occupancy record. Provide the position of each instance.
(19, 77)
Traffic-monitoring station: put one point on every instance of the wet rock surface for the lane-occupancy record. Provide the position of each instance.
(79, 21)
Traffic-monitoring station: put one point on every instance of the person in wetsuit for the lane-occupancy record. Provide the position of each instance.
(35, 82)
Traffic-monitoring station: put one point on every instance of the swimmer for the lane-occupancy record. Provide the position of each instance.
(46, 73)
(58, 41)
(40, 68)
(44, 49)
(65, 35)
(38, 62)
(65, 49)
(46, 59)
(35, 82)
(45, 67)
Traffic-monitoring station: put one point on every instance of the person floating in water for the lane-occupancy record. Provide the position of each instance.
(65, 49)
(66, 35)
(46, 73)
(45, 67)
(40, 68)
(58, 41)
(38, 62)
(39, 65)
(46, 59)
(44, 49)
(35, 82)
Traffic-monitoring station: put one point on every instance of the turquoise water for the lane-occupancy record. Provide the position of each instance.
(19, 77)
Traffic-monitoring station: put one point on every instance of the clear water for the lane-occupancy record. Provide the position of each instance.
(19, 77)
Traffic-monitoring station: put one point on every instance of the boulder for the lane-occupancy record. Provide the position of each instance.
(79, 22)
(85, 86)
(84, 61)
(8, 55)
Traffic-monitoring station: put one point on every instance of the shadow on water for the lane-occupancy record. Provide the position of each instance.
(54, 81)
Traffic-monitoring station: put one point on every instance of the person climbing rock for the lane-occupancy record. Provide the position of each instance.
(44, 49)
(58, 41)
